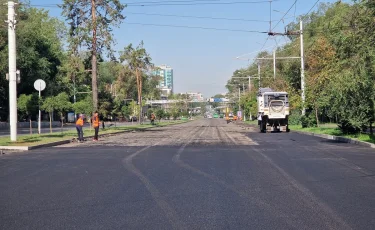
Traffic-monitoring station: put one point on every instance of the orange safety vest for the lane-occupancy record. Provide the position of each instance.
(79, 122)
(95, 121)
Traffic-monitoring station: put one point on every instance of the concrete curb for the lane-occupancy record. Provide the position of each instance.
(337, 138)
(62, 142)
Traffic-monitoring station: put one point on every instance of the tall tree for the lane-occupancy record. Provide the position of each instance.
(139, 62)
(91, 23)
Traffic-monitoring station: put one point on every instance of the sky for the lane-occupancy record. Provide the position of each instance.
(202, 59)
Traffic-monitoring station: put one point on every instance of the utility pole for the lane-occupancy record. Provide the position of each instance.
(94, 63)
(302, 57)
(274, 64)
(12, 71)
(250, 84)
(239, 98)
(302, 69)
(259, 75)
(74, 89)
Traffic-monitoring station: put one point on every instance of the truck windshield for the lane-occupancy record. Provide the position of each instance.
(269, 98)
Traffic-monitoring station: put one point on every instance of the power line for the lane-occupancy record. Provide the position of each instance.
(180, 3)
(264, 44)
(312, 7)
(173, 3)
(198, 17)
(284, 15)
(195, 27)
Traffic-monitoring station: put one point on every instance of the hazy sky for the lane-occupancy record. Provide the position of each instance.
(202, 59)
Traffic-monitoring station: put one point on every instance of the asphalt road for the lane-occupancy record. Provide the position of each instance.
(200, 175)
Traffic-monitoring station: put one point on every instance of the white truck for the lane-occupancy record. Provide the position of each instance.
(273, 110)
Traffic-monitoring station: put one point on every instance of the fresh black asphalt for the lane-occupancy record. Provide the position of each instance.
(209, 178)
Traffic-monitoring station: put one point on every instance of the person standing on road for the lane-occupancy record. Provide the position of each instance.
(79, 125)
(95, 124)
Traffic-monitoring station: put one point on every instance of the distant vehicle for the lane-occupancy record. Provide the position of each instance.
(221, 115)
(132, 118)
(216, 115)
(229, 118)
(209, 116)
(273, 110)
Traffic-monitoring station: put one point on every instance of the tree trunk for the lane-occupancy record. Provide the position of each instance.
(317, 116)
(62, 122)
(94, 79)
(139, 96)
(140, 103)
(50, 122)
(31, 126)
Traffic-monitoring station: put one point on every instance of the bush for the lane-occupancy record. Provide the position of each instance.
(294, 118)
(159, 114)
(308, 120)
(167, 115)
(347, 128)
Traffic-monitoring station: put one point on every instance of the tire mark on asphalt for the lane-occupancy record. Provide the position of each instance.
(262, 205)
(220, 136)
(155, 193)
(341, 161)
(321, 209)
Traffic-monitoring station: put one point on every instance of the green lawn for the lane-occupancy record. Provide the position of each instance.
(331, 129)
(254, 122)
(35, 139)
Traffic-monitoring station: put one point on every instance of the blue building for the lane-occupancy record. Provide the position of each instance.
(166, 81)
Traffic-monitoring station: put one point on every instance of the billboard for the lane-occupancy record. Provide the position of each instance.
(239, 114)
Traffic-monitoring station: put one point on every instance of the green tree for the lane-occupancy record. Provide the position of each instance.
(167, 115)
(159, 114)
(319, 71)
(39, 51)
(49, 105)
(62, 106)
(138, 61)
(91, 25)
(27, 105)
(84, 106)
(105, 104)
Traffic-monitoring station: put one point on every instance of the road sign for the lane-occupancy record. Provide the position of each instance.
(39, 85)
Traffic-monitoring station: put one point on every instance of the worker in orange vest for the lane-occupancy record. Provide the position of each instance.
(95, 123)
(79, 125)
(152, 118)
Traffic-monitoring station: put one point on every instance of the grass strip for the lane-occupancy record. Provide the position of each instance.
(332, 129)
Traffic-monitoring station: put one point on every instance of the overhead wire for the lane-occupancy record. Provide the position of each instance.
(312, 7)
(178, 3)
(195, 27)
(295, 2)
(197, 17)
(174, 3)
